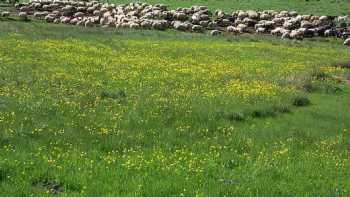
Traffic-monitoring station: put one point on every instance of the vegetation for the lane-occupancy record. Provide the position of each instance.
(94, 112)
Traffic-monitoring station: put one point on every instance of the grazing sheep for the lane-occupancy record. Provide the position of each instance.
(252, 14)
(330, 32)
(159, 24)
(79, 14)
(347, 42)
(49, 18)
(197, 28)
(286, 24)
(306, 24)
(178, 25)
(285, 35)
(5, 14)
(297, 34)
(146, 24)
(260, 30)
(88, 23)
(215, 32)
(23, 16)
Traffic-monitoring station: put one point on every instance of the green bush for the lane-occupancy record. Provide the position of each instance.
(301, 100)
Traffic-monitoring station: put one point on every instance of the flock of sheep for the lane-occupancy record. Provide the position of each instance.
(286, 24)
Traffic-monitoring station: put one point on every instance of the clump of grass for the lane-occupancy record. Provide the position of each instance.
(301, 100)
(309, 87)
(263, 113)
(343, 64)
(4, 172)
(236, 116)
(282, 109)
(320, 75)
(49, 184)
(332, 89)
(113, 95)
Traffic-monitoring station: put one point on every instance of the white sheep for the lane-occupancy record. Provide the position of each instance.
(347, 42)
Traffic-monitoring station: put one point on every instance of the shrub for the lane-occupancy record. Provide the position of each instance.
(301, 100)
(309, 87)
(263, 113)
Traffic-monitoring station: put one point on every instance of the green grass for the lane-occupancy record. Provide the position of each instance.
(94, 112)
(321, 7)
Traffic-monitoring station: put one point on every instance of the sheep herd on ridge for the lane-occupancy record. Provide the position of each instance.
(286, 24)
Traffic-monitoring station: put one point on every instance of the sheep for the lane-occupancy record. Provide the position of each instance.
(215, 32)
(342, 21)
(5, 14)
(252, 14)
(49, 18)
(347, 42)
(265, 17)
(204, 23)
(306, 24)
(330, 32)
(230, 29)
(278, 31)
(159, 24)
(285, 35)
(79, 14)
(287, 24)
(297, 34)
(88, 23)
(178, 25)
(180, 16)
(260, 30)
(197, 28)
(23, 16)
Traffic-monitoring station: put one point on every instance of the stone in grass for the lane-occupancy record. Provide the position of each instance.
(50, 185)
(301, 100)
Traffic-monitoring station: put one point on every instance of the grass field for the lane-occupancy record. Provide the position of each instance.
(91, 112)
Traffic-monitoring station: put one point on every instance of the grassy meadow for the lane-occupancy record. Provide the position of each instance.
(105, 112)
